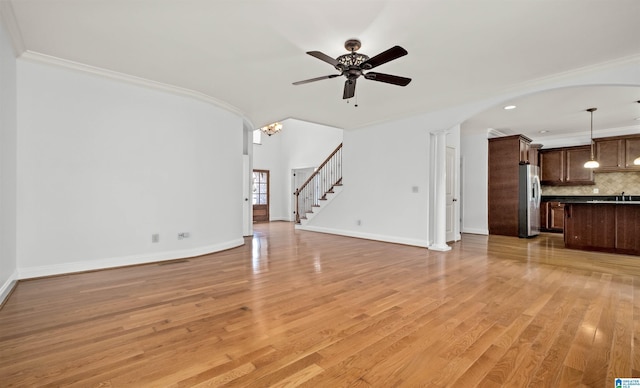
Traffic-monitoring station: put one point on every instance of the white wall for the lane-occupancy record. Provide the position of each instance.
(474, 147)
(103, 165)
(8, 169)
(300, 145)
(381, 165)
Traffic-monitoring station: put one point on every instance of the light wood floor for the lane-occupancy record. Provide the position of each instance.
(300, 308)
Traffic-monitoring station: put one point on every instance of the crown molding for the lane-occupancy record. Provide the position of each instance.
(568, 75)
(11, 25)
(76, 66)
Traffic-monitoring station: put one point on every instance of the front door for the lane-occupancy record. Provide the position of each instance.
(260, 195)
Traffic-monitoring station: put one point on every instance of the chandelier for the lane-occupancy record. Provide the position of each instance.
(272, 128)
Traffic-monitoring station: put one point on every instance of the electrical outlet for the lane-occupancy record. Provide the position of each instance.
(155, 238)
(596, 190)
(183, 235)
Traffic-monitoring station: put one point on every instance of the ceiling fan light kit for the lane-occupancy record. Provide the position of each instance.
(353, 65)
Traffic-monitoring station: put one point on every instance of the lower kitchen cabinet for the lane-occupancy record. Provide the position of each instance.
(552, 217)
(628, 229)
(602, 227)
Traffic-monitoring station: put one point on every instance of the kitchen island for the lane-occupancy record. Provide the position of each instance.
(602, 225)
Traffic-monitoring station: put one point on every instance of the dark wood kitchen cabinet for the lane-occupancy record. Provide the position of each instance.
(632, 151)
(607, 227)
(556, 216)
(565, 166)
(552, 216)
(610, 154)
(628, 229)
(505, 156)
(544, 216)
(590, 226)
(617, 153)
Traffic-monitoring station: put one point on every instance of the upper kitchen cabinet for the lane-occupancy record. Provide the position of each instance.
(617, 153)
(534, 152)
(565, 166)
(632, 151)
(524, 150)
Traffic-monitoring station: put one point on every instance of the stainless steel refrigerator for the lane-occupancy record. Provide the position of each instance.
(529, 201)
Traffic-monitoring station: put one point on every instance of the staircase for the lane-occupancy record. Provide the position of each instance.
(320, 188)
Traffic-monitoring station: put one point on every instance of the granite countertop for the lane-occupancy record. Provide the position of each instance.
(605, 199)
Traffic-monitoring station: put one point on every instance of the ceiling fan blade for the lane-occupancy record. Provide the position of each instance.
(325, 57)
(306, 81)
(349, 89)
(384, 57)
(387, 78)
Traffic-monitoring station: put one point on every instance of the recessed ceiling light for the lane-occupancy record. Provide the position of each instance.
(509, 107)
(544, 131)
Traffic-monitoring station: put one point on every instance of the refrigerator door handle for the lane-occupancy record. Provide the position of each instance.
(536, 190)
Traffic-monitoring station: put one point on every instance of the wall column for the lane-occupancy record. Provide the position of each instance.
(439, 204)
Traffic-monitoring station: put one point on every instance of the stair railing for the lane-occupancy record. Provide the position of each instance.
(319, 184)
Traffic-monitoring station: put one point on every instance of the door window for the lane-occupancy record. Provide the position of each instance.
(260, 187)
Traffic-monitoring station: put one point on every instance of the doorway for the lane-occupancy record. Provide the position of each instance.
(299, 177)
(260, 194)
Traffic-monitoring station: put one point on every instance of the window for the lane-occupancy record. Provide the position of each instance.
(260, 187)
(257, 136)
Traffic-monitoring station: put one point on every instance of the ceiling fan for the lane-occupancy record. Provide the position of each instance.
(354, 64)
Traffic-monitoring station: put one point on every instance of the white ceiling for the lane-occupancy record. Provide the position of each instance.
(247, 53)
(560, 117)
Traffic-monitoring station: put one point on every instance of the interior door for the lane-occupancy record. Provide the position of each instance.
(450, 194)
(260, 195)
(247, 229)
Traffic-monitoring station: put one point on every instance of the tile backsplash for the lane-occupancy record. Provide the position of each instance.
(607, 183)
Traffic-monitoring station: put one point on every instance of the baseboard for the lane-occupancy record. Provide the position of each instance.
(65, 268)
(367, 236)
(476, 231)
(8, 286)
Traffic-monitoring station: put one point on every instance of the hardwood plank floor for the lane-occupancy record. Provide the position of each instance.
(296, 308)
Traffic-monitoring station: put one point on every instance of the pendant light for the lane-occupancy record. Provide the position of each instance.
(593, 163)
